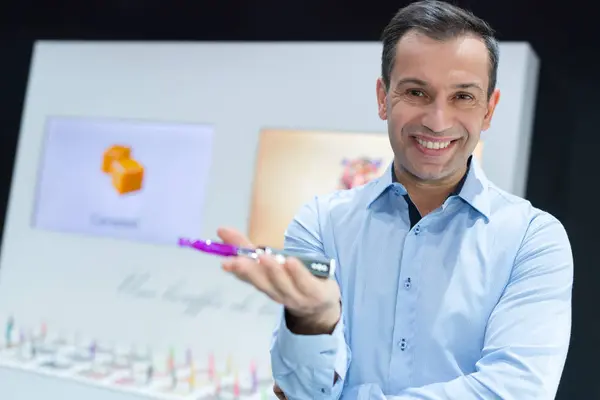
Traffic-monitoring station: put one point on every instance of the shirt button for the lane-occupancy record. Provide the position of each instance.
(407, 283)
(417, 230)
(402, 344)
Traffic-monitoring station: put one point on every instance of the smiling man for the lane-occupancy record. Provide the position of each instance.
(447, 287)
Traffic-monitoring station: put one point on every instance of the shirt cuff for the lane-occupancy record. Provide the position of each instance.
(326, 351)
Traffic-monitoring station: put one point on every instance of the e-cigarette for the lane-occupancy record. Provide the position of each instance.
(319, 266)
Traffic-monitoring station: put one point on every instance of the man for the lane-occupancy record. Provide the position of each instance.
(447, 287)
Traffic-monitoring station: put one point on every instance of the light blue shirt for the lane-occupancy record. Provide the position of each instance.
(473, 302)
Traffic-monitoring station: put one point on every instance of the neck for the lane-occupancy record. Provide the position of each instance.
(428, 195)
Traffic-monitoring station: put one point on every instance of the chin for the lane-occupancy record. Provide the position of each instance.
(430, 174)
(431, 177)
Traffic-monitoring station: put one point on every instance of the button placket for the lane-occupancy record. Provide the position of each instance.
(404, 326)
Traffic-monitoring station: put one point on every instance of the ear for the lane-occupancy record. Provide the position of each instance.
(381, 99)
(491, 107)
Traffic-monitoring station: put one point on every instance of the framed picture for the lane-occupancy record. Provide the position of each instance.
(125, 179)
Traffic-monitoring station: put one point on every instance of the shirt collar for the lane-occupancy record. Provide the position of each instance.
(473, 188)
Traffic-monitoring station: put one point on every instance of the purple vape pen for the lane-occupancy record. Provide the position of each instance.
(317, 265)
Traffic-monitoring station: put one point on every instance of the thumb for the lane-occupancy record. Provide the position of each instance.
(231, 236)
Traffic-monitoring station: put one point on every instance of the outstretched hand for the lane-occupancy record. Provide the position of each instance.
(290, 284)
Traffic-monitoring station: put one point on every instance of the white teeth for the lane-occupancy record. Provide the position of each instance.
(433, 145)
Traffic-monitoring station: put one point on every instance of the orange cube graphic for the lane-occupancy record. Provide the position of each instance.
(114, 153)
(127, 173)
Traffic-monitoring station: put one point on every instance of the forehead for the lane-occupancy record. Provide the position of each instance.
(441, 62)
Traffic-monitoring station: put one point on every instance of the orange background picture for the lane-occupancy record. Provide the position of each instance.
(127, 173)
(293, 166)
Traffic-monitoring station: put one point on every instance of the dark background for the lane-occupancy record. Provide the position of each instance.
(562, 178)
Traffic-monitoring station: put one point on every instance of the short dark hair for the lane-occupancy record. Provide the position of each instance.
(438, 20)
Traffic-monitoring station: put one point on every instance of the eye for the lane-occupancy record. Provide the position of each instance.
(464, 96)
(415, 93)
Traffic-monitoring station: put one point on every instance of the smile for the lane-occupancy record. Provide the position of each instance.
(433, 145)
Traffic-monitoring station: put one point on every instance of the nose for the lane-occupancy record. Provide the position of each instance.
(438, 117)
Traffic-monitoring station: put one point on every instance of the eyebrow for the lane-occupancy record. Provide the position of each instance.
(471, 85)
(413, 81)
(420, 82)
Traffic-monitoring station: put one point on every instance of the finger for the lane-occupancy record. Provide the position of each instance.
(281, 280)
(305, 282)
(231, 236)
(253, 273)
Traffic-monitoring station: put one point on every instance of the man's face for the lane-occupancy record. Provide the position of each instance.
(437, 104)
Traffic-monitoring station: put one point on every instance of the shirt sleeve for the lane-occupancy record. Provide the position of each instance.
(528, 332)
(306, 366)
